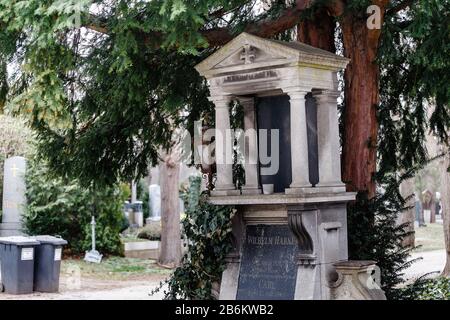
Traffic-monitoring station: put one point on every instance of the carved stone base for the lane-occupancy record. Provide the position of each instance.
(330, 188)
(251, 190)
(318, 231)
(357, 280)
(300, 190)
(8, 229)
(225, 192)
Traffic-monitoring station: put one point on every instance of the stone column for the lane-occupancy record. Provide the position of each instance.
(250, 147)
(299, 143)
(328, 141)
(224, 148)
(14, 196)
(133, 191)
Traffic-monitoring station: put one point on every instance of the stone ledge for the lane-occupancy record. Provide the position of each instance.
(141, 245)
(282, 198)
(354, 264)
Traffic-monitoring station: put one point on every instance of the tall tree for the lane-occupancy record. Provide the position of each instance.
(100, 80)
(132, 65)
(170, 253)
(3, 84)
(446, 209)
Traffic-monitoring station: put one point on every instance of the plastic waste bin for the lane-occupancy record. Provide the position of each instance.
(17, 264)
(47, 263)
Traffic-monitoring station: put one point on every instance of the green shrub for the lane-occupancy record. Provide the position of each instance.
(428, 289)
(152, 231)
(58, 206)
(208, 230)
(373, 234)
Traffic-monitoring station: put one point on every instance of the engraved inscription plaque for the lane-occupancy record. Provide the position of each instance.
(268, 268)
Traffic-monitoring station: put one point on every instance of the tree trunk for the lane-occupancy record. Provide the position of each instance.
(361, 87)
(3, 85)
(170, 253)
(361, 101)
(319, 31)
(445, 199)
(408, 216)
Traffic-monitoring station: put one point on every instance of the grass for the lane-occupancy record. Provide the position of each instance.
(430, 237)
(115, 268)
(130, 239)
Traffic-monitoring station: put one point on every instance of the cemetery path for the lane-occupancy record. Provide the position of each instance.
(139, 288)
(95, 289)
(431, 261)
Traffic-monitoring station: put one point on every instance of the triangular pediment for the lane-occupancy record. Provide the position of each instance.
(248, 52)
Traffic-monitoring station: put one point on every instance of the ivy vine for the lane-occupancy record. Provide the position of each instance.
(207, 229)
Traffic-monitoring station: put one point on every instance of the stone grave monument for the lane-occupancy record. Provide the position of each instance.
(155, 202)
(291, 244)
(14, 198)
(428, 207)
(93, 255)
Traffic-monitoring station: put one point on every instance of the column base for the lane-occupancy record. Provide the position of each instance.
(250, 190)
(299, 190)
(8, 229)
(333, 187)
(221, 191)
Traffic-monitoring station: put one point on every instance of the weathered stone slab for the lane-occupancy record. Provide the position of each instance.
(14, 198)
(268, 268)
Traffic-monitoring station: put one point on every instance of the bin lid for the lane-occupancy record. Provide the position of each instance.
(19, 241)
(51, 240)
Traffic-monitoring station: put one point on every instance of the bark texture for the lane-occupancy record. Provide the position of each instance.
(318, 32)
(170, 253)
(445, 199)
(361, 87)
(361, 101)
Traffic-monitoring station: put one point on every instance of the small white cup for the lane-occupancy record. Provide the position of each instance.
(268, 188)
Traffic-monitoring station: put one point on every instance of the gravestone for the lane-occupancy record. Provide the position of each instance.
(271, 119)
(155, 201)
(428, 207)
(93, 255)
(14, 198)
(138, 214)
(285, 245)
(268, 268)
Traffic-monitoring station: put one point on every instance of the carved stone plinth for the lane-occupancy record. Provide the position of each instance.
(357, 280)
(317, 225)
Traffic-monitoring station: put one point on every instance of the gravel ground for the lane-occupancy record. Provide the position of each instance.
(118, 279)
(431, 261)
(93, 289)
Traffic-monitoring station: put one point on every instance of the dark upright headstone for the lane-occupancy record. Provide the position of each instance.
(274, 113)
(268, 268)
(313, 149)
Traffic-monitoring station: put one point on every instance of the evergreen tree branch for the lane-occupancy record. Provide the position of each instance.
(401, 6)
(266, 28)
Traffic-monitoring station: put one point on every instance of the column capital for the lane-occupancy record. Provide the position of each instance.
(246, 101)
(220, 101)
(326, 95)
(296, 93)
